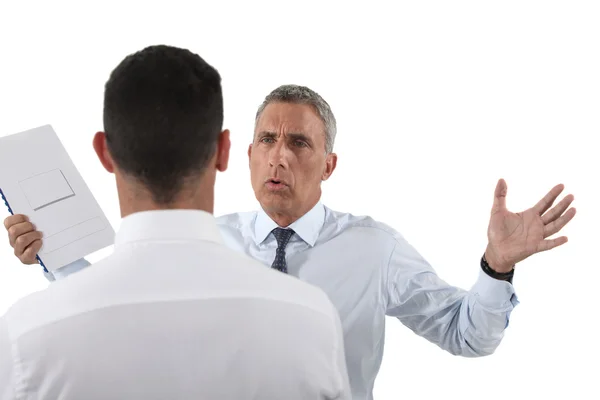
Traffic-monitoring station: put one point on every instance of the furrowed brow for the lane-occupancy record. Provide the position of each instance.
(266, 134)
(299, 136)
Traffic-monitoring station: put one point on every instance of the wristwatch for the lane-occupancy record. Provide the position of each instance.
(503, 276)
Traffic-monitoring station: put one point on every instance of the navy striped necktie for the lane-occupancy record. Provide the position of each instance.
(283, 237)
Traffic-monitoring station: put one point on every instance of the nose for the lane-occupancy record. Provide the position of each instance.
(278, 155)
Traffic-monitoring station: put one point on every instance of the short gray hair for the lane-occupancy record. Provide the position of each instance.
(303, 95)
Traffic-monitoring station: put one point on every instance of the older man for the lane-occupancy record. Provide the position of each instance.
(368, 269)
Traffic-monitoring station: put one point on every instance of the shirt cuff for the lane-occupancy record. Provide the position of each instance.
(68, 269)
(494, 294)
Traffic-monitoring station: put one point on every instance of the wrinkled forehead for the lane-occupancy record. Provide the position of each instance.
(282, 118)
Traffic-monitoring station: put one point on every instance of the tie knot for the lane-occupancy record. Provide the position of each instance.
(283, 236)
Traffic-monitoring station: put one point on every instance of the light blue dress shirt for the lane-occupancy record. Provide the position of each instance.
(369, 271)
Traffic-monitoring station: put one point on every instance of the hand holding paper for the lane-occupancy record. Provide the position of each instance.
(23, 237)
(49, 190)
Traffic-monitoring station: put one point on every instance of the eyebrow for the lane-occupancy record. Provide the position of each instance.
(300, 136)
(266, 134)
(294, 136)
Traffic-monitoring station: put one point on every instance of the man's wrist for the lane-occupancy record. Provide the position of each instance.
(500, 275)
(495, 263)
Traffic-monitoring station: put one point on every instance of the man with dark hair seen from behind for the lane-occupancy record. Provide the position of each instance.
(172, 313)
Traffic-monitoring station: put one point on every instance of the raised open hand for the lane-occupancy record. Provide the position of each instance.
(512, 237)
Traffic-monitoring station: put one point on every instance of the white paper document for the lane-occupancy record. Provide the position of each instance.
(39, 179)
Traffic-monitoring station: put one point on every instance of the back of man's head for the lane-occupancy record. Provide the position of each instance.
(163, 113)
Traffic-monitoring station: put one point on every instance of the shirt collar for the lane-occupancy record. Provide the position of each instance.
(168, 225)
(307, 227)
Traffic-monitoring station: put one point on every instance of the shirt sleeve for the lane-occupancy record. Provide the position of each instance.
(7, 384)
(67, 270)
(467, 323)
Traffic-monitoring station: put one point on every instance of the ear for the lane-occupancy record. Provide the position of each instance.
(223, 147)
(102, 152)
(330, 164)
(249, 153)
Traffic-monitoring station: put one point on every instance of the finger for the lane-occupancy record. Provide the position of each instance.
(14, 219)
(557, 225)
(18, 230)
(25, 240)
(549, 244)
(557, 210)
(500, 196)
(544, 204)
(28, 256)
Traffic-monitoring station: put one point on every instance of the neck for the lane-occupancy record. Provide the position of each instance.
(135, 198)
(284, 219)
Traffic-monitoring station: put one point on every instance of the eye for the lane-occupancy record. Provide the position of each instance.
(267, 140)
(300, 143)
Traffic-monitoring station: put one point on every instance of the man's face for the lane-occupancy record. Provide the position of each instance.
(288, 159)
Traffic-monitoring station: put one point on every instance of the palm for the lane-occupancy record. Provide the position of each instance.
(515, 236)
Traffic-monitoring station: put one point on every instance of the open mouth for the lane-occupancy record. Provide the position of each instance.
(276, 184)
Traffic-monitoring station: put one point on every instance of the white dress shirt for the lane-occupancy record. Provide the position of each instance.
(369, 271)
(173, 314)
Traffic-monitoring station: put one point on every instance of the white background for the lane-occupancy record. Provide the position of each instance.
(435, 101)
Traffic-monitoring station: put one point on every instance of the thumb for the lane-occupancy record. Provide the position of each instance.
(500, 196)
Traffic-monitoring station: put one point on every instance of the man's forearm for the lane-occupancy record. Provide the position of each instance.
(489, 305)
(465, 323)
